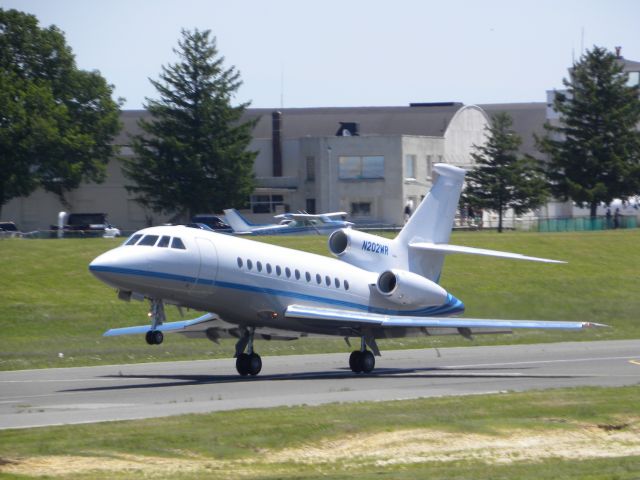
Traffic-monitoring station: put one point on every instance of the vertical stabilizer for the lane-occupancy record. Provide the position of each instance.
(432, 222)
(237, 221)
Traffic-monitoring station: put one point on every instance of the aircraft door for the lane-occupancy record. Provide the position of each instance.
(208, 267)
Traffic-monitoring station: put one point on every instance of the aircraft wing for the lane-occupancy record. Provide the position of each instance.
(207, 326)
(354, 319)
(309, 216)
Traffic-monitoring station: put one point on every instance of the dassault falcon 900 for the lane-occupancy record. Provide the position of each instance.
(375, 288)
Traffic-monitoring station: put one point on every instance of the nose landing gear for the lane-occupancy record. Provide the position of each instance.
(154, 336)
(249, 362)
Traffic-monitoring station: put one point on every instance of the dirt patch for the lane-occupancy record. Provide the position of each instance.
(380, 449)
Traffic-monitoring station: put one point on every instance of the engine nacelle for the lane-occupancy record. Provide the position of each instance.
(362, 249)
(410, 289)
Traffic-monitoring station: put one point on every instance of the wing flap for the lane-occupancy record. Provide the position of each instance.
(351, 319)
(449, 249)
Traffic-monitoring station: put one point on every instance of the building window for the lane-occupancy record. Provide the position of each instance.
(361, 209)
(410, 166)
(358, 168)
(311, 169)
(265, 203)
(311, 205)
(429, 166)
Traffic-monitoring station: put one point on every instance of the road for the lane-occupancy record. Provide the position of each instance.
(32, 398)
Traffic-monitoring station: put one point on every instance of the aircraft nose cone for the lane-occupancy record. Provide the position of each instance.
(107, 266)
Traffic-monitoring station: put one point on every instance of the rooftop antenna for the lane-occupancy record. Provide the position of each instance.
(282, 85)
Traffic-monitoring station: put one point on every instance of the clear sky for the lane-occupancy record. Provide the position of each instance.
(298, 53)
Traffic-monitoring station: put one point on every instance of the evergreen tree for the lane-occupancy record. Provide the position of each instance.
(56, 122)
(193, 156)
(594, 154)
(502, 179)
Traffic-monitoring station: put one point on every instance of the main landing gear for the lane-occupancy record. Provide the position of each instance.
(363, 360)
(154, 336)
(247, 361)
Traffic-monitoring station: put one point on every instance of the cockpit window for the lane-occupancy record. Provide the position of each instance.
(149, 240)
(177, 243)
(164, 241)
(133, 239)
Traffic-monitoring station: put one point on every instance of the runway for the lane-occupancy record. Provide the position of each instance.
(32, 398)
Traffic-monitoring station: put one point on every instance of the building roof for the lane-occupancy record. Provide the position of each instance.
(528, 118)
(430, 120)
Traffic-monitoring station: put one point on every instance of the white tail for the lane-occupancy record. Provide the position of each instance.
(431, 223)
(236, 221)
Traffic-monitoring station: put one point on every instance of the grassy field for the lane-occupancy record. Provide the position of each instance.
(53, 312)
(585, 433)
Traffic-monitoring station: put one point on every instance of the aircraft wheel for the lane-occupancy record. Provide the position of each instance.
(355, 361)
(255, 364)
(367, 361)
(243, 364)
(154, 337)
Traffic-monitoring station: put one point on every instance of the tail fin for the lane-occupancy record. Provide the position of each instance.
(432, 222)
(237, 222)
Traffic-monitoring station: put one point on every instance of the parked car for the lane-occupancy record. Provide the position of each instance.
(88, 224)
(213, 222)
(9, 229)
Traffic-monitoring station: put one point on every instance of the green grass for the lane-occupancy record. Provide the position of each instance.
(51, 304)
(248, 441)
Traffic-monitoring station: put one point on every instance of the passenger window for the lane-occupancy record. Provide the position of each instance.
(133, 239)
(259, 266)
(318, 279)
(239, 262)
(149, 240)
(164, 241)
(307, 275)
(327, 280)
(249, 264)
(268, 268)
(278, 270)
(337, 283)
(297, 274)
(287, 272)
(346, 285)
(177, 243)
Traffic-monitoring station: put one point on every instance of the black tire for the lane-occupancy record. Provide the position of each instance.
(242, 364)
(149, 337)
(158, 337)
(367, 361)
(254, 364)
(355, 361)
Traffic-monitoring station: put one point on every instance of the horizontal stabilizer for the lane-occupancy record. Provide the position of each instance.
(448, 249)
(354, 319)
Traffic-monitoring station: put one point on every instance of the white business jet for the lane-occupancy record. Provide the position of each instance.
(375, 288)
(290, 223)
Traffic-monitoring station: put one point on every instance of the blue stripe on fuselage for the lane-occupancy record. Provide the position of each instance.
(451, 307)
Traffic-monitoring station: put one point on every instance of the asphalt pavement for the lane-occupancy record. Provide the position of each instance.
(32, 398)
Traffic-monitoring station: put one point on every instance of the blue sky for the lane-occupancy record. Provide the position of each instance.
(349, 52)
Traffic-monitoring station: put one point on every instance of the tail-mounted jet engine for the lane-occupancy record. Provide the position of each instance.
(362, 250)
(410, 289)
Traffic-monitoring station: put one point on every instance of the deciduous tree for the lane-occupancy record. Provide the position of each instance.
(56, 122)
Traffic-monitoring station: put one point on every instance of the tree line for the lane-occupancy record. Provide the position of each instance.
(58, 123)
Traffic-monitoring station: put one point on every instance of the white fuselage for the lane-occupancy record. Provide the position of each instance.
(246, 282)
